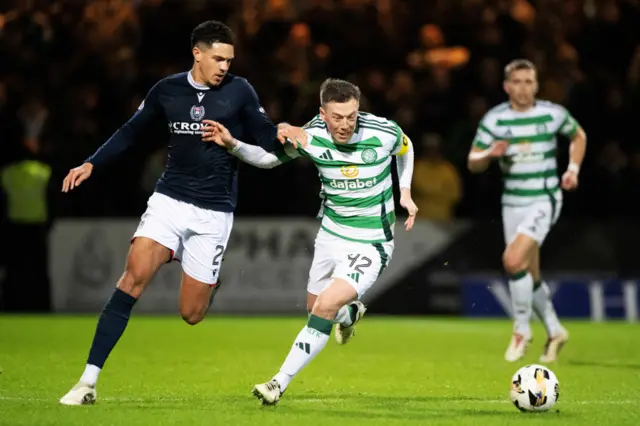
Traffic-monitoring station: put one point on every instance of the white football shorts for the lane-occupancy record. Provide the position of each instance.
(197, 237)
(359, 264)
(535, 220)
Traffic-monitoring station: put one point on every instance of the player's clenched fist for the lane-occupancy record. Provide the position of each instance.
(76, 176)
(569, 180)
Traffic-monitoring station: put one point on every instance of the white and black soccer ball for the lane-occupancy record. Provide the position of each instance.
(534, 388)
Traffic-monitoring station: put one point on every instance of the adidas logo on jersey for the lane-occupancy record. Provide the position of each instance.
(326, 155)
(353, 184)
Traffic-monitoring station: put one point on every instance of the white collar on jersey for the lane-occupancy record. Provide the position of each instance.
(195, 84)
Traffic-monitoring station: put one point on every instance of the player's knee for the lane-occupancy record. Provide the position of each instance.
(514, 262)
(332, 299)
(192, 316)
(325, 308)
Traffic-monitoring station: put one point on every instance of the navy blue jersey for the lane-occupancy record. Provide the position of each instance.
(200, 173)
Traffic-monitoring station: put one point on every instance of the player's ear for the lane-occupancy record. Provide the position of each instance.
(197, 54)
(323, 114)
(505, 86)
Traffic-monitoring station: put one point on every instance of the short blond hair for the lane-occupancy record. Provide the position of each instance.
(518, 64)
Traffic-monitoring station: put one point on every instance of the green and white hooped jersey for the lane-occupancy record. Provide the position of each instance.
(357, 187)
(529, 167)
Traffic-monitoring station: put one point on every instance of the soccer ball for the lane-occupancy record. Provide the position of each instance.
(534, 388)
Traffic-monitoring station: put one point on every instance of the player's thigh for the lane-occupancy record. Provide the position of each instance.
(145, 257)
(322, 265)
(154, 242)
(361, 264)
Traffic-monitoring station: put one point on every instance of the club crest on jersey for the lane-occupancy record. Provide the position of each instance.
(369, 155)
(350, 171)
(197, 112)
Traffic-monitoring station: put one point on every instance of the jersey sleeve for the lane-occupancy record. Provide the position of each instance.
(256, 122)
(402, 144)
(287, 153)
(149, 110)
(484, 137)
(569, 125)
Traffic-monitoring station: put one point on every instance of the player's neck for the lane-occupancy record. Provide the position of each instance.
(520, 107)
(196, 76)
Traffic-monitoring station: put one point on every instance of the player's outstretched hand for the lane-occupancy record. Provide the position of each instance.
(296, 135)
(217, 133)
(498, 149)
(210, 131)
(569, 180)
(76, 176)
(407, 202)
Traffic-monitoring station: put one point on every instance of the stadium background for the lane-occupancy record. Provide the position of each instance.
(71, 72)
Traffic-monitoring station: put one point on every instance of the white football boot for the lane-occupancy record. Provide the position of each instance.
(517, 347)
(80, 394)
(553, 346)
(344, 334)
(268, 393)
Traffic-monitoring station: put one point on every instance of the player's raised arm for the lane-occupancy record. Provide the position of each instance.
(404, 163)
(250, 154)
(571, 129)
(122, 139)
(485, 148)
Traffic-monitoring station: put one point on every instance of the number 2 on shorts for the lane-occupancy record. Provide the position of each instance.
(216, 258)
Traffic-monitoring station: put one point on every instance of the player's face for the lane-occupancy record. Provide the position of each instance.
(522, 86)
(341, 119)
(213, 61)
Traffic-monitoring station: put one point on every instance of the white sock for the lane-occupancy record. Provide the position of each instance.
(543, 306)
(343, 317)
(90, 375)
(310, 341)
(521, 288)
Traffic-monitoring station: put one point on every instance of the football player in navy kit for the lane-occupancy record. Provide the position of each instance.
(190, 214)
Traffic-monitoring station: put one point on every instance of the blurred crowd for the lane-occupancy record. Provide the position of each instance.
(71, 72)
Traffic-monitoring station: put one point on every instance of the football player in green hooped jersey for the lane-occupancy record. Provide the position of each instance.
(521, 135)
(352, 151)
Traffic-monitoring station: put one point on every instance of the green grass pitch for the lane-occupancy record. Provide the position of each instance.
(396, 371)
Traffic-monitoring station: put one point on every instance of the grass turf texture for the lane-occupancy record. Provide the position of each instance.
(396, 371)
